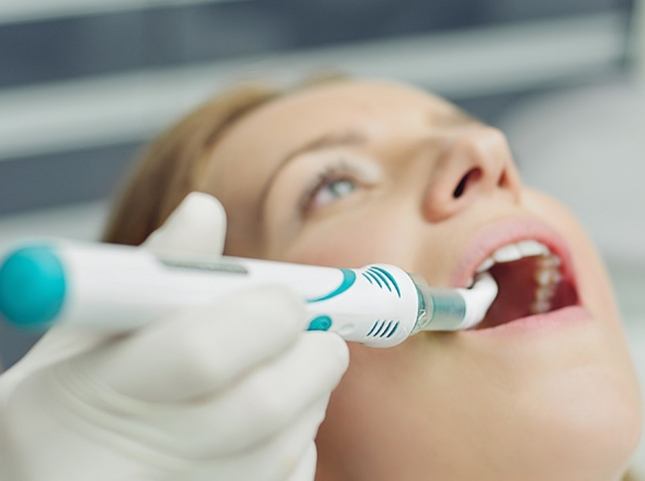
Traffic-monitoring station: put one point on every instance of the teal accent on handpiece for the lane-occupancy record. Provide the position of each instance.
(389, 276)
(320, 323)
(376, 278)
(349, 277)
(32, 286)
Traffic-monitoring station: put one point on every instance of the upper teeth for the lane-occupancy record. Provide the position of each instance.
(546, 276)
(514, 252)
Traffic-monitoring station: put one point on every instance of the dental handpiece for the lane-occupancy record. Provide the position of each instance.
(119, 288)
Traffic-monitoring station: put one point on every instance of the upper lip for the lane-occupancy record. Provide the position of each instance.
(493, 236)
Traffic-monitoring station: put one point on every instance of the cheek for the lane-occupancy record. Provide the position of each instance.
(353, 242)
(371, 413)
(332, 248)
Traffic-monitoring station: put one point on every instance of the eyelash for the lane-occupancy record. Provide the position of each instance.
(328, 174)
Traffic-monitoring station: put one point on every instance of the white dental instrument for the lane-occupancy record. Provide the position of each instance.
(85, 284)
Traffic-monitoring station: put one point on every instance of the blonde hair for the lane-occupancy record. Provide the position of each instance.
(169, 168)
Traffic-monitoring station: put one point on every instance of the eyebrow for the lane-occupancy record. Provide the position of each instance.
(325, 141)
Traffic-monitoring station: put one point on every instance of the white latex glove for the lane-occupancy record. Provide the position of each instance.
(234, 392)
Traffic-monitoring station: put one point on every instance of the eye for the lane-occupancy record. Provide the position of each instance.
(330, 190)
(341, 178)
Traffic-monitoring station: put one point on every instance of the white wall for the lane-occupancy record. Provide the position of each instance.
(82, 222)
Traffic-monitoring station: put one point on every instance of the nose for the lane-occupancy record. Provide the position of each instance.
(472, 164)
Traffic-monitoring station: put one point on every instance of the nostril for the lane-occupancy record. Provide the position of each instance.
(471, 176)
(503, 181)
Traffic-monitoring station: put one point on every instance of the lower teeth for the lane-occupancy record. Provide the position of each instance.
(540, 307)
(544, 293)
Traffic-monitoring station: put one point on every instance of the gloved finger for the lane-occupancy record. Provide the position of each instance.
(265, 402)
(274, 459)
(60, 343)
(196, 228)
(305, 470)
(202, 350)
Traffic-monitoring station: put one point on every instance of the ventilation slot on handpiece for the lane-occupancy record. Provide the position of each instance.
(382, 278)
(383, 329)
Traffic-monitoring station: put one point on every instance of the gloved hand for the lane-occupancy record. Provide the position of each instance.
(234, 392)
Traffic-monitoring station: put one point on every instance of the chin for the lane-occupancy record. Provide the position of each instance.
(570, 411)
(590, 428)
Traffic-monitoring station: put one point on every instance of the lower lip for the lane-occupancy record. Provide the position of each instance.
(562, 317)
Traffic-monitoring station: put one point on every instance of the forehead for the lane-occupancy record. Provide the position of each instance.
(256, 144)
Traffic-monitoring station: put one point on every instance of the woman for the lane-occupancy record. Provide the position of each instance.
(356, 172)
(353, 172)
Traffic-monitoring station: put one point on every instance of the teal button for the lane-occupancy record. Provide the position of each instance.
(320, 323)
(32, 287)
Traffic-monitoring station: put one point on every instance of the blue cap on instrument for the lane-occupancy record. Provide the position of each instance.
(32, 286)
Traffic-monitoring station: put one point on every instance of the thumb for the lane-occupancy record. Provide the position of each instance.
(196, 227)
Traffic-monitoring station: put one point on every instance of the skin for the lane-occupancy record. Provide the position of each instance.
(558, 402)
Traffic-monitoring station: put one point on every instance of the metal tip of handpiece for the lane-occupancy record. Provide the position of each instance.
(445, 309)
(478, 299)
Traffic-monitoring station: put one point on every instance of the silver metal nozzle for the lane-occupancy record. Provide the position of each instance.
(443, 309)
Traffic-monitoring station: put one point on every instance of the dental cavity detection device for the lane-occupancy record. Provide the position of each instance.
(119, 288)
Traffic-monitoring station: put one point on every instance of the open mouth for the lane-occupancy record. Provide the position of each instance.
(531, 281)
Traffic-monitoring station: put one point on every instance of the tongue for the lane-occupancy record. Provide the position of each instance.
(516, 291)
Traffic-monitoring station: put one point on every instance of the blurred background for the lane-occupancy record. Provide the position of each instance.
(84, 83)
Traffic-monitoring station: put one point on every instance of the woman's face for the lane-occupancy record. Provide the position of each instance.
(362, 172)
